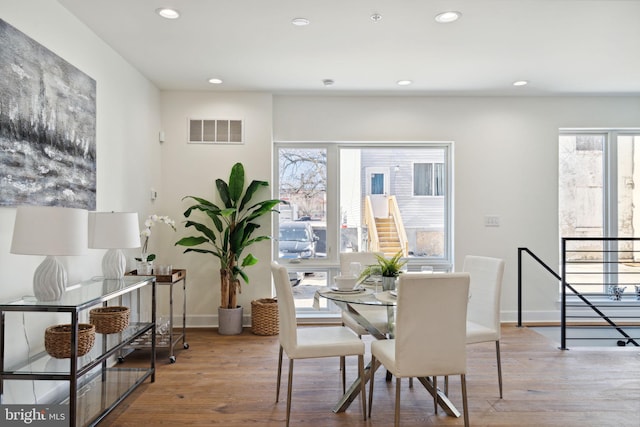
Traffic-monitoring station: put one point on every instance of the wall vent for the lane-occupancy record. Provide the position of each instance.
(215, 131)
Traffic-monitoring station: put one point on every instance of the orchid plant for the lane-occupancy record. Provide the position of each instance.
(146, 233)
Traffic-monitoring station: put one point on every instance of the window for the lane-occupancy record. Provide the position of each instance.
(428, 179)
(598, 197)
(337, 191)
(377, 183)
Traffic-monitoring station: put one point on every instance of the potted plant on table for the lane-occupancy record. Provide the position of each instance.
(145, 262)
(227, 233)
(388, 268)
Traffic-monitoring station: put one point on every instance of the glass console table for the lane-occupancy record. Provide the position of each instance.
(95, 387)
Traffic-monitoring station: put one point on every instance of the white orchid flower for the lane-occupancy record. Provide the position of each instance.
(146, 233)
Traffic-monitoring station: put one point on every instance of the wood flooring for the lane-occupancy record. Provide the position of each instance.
(229, 381)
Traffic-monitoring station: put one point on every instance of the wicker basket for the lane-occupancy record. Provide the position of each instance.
(109, 320)
(264, 316)
(57, 340)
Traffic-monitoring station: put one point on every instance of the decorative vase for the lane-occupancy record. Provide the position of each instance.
(230, 321)
(388, 283)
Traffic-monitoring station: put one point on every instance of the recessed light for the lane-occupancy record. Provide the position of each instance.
(447, 17)
(168, 13)
(215, 81)
(520, 83)
(376, 17)
(300, 22)
(404, 82)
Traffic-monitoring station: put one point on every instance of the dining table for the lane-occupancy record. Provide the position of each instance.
(371, 295)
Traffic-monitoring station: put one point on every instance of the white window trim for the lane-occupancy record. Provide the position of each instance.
(330, 264)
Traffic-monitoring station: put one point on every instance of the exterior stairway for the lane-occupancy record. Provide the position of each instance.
(388, 236)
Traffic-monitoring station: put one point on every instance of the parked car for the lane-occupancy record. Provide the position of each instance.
(296, 277)
(297, 240)
(320, 230)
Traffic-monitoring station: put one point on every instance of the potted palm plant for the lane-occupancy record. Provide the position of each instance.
(388, 268)
(227, 233)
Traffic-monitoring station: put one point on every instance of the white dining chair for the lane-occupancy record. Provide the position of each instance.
(377, 316)
(430, 334)
(310, 342)
(483, 313)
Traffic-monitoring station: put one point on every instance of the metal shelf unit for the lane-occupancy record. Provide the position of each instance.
(167, 339)
(95, 388)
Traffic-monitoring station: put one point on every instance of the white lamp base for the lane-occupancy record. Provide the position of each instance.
(49, 280)
(114, 264)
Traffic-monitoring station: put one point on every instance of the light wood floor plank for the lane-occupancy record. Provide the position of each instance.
(230, 381)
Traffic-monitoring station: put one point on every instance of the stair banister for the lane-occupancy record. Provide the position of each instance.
(370, 221)
(394, 211)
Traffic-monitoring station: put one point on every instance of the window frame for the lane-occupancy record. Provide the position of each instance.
(610, 176)
(330, 264)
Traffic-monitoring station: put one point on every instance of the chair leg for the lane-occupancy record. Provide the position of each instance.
(363, 395)
(446, 385)
(397, 415)
(279, 375)
(465, 408)
(372, 374)
(290, 383)
(499, 367)
(435, 394)
(344, 374)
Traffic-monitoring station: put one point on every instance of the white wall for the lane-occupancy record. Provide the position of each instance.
(506, 159)
(128, 152)
(191, 170)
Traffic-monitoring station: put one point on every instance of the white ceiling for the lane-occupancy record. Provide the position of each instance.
(561, 46)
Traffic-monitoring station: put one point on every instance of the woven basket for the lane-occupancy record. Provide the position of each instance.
(57, 340)
(109, 320)
(264, 316)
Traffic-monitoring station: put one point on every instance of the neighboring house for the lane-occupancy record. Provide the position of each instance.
(416, 177)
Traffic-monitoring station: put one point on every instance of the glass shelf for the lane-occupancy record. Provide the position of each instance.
(43, 364)
(80, 296)
(96, 396)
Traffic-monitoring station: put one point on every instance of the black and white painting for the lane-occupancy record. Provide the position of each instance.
(47, 126)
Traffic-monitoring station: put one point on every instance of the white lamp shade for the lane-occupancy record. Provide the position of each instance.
(113, 230)
(49, 230)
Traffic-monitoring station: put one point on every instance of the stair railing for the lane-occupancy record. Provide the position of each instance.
(373, 241)
(565, 286)
(394, 212)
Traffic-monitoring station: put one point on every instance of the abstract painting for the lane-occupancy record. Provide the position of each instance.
(47, 126)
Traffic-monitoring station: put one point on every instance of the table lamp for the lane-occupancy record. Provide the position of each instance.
(49, 231)
(113, 231)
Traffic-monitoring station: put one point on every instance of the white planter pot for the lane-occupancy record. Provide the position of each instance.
(388, 283)
(144, 268)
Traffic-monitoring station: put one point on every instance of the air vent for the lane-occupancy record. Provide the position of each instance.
(213, 131)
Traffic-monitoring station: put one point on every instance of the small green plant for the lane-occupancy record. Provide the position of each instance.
(387, 267)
